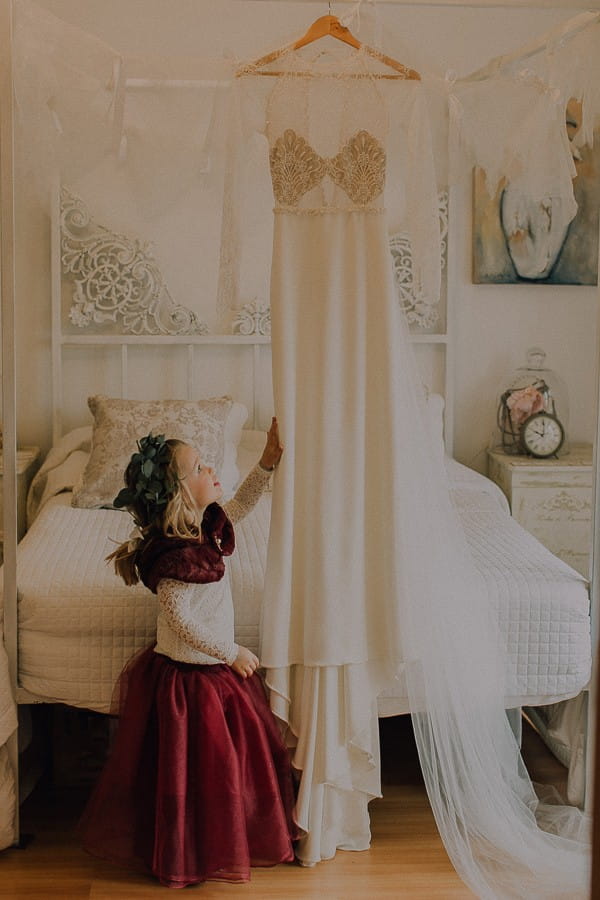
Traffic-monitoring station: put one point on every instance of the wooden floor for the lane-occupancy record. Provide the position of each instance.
(406, 859)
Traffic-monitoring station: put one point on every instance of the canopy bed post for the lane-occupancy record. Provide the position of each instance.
(255, 398)
(592, 744)
(120, 85)
(452, 282)
(124, 370)
(7, 290)
(190, 372)
(56, 303)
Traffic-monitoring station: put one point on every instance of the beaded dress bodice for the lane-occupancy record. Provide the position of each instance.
(327, 128)
(358, 169)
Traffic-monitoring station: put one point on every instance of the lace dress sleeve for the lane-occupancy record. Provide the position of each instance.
(411, 192)
(182, 616)
(248, 494)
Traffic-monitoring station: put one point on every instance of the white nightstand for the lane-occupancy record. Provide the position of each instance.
(551, 498)
(26, 459)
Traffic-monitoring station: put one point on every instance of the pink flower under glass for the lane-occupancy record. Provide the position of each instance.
(524, 403)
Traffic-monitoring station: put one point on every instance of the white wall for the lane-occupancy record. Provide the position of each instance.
(494, 324)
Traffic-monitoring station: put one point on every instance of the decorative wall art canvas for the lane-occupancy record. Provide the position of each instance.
(517, 240)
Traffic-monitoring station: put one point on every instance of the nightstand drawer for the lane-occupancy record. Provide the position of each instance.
(26, 460)
(552, 499)
(560, 517)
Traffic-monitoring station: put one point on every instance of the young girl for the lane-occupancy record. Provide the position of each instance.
(198, 784)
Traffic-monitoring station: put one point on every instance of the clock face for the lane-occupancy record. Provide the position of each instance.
(542, 434)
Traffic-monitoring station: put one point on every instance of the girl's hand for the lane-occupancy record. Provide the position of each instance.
(273, 448)
(245, 663)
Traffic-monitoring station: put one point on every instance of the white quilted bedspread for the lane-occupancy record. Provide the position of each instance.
(542, 603)
(79, 623)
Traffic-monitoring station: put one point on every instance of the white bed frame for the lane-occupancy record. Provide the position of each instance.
(75, 239)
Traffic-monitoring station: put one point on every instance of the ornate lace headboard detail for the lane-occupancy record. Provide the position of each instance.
(419, 312)
(108, 289)
(110, 297)
(116, 278)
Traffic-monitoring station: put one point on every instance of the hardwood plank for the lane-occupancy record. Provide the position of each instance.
(406, 860)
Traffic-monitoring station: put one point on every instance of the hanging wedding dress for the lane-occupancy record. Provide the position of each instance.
(368, 574)
(344, 402)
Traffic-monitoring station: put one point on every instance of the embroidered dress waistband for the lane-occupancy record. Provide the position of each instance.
(322, 210)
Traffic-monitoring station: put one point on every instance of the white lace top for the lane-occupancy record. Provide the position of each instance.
(341, 139)
(195, 621)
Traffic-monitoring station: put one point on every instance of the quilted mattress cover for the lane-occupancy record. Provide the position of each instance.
(79, 623)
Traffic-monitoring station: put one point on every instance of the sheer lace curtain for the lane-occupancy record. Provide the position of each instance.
(163, 130)
(142, 141)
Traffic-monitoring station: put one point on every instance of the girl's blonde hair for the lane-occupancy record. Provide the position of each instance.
(166, 510)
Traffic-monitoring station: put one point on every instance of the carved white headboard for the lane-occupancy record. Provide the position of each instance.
(117, 330)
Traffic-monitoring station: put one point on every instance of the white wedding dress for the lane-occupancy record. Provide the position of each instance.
(368, 574)
(342, 398)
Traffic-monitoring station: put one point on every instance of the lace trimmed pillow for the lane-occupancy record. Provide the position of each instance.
(213, 426)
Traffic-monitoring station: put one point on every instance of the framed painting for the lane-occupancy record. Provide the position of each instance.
(518, 240)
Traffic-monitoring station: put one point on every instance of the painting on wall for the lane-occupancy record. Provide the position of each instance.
(517, 240)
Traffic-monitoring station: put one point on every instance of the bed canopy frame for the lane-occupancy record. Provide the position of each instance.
(252, 335)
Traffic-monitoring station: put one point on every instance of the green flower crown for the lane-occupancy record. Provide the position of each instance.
(153, 488)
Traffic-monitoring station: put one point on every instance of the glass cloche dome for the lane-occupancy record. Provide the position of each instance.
(533, 410)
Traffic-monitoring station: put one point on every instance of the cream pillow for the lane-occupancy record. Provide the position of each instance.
(213, 426)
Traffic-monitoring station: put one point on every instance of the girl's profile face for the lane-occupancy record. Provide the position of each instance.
(201, 481)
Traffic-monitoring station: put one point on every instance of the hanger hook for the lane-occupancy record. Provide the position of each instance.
(329, 5)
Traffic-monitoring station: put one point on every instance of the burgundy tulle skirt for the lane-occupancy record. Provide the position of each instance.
(198, 785)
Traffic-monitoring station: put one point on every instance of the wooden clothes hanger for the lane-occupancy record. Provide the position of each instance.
(331, 26)
(327, 25)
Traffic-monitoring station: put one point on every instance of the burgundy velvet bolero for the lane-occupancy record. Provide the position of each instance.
(189, 560)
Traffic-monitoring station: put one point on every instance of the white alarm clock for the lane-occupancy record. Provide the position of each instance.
(542, 435)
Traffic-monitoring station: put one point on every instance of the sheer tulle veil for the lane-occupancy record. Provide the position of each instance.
(503, 840)
(443, 635)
